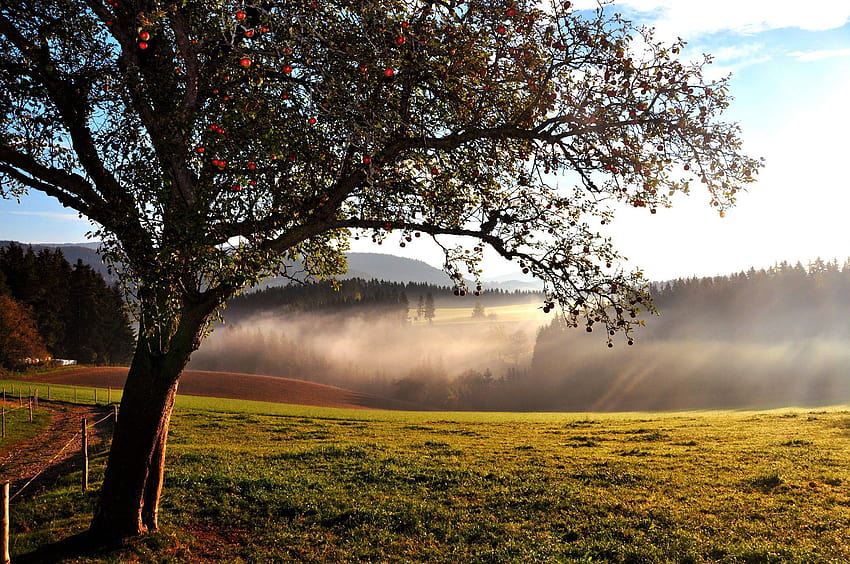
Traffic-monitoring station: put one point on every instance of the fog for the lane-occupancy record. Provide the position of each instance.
(375, 353)
(488, 364)
(752, 340)
(671, 375)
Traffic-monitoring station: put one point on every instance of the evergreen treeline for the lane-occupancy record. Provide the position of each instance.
(77, 315)
(378, 296)
(768, 337)
(785, 302)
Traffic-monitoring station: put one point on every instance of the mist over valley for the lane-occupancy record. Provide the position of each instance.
(758, 339)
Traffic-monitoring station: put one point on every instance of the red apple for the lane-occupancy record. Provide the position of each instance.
(143, 44)
(245, 62)
(287, 69)
(389, 72)
(144, 35)
(240, 15)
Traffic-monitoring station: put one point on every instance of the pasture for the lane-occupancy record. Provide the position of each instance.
(514, 313)
(255, 482)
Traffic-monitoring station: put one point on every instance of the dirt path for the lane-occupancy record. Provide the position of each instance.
(35, 463)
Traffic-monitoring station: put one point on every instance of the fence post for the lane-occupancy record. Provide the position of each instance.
(115, 411)
(30, 409)
(4, 525)
(48, 393)
(108, 395)
(95, 396)
(75, 395)
(4, 420)
(85, 452)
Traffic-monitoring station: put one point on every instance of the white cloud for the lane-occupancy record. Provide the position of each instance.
(689, 19)
(807, 57)
(50, 215)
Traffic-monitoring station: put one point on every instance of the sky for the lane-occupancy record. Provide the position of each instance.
(790, 65)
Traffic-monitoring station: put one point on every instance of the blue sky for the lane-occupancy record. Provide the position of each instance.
(791, 82)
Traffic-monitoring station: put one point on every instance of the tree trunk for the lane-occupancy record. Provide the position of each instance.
(129, 497)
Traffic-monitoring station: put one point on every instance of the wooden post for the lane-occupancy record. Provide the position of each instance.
(30, 409)
(21, 397)
(4, 524)
(115, 411)
(85, 453)
(4, 419)
(95, 396)
(48, 393)
(108, 395)
(75, 395)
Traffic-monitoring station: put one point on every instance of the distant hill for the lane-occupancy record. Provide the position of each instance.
(394, 269)
(360, 265)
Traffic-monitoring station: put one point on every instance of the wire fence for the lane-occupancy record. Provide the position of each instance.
(70, 441)
(83, 395)
(82, 436)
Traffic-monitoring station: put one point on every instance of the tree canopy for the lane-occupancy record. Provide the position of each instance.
(19, 339)
(76, 314)
(212, 141)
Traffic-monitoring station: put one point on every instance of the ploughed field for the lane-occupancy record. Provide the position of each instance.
(230, 385)
(252, 482)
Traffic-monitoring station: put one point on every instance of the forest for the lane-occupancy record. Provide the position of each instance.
(358, 295)
(51, 309)
(763, 337)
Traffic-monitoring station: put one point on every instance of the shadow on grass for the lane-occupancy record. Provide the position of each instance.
(82, 544)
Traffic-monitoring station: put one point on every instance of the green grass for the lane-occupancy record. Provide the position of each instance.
(19, 428)
(326, 485)
(59, 392)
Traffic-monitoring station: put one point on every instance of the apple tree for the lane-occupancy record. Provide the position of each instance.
(213, 142)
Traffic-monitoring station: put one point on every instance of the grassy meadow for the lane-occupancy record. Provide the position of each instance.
(254, 482)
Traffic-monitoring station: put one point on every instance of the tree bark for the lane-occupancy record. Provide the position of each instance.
(129, 497)
(153, 486)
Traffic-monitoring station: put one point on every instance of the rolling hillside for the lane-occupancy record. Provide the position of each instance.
(231, 386)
